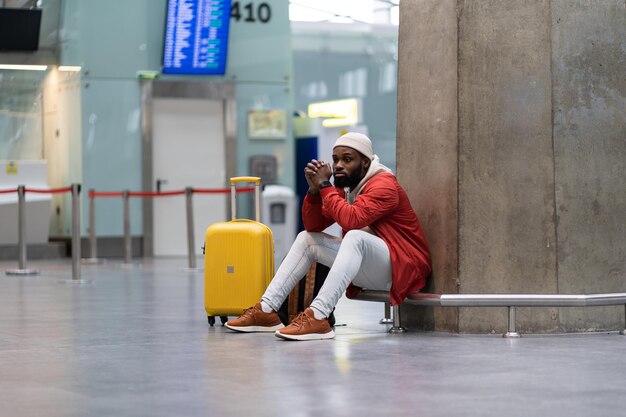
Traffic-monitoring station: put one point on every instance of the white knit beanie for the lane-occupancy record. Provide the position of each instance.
(357, 141)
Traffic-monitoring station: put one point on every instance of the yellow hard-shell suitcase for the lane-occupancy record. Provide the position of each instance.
(238, 261)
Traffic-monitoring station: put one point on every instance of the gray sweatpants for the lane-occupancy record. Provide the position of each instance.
(360, 257)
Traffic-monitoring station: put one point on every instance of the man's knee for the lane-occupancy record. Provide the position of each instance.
(306, 239)
(356, 234)
(304, 236)
(354, 237)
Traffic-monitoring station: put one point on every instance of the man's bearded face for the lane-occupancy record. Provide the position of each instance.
(349, 167)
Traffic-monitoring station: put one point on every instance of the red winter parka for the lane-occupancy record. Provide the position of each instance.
(383, 206)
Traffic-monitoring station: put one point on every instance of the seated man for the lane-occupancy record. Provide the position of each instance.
(383, 246)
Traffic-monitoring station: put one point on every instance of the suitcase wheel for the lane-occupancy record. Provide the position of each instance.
(211, 320)
(223, 319)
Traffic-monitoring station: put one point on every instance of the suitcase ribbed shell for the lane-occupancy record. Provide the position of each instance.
(238, 266)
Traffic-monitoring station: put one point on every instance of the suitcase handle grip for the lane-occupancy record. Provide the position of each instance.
(236, 180)
(257, 196)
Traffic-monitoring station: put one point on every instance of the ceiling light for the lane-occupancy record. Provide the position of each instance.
(336, 113)
(23, 67)
(71, 68)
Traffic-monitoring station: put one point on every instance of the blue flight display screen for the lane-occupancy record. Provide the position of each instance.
(196, 37)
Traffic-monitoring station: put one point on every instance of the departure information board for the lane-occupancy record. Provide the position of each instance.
(196, 37)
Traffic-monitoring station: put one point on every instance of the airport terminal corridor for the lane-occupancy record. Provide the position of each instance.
(482, 144)
(134, 340)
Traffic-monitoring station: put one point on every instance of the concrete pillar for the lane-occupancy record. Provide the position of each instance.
(427, 141)
(589, 111)
(512, 146)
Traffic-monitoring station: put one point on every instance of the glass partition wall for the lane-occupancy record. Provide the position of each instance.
(21, 114)
(40, 119)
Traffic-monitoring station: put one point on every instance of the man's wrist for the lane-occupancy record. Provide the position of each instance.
(325, 184)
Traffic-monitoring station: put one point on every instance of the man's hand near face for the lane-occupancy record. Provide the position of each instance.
(315, 173)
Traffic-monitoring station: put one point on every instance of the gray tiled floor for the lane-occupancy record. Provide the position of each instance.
(135, 342)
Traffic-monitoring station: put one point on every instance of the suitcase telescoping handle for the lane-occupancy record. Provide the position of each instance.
(257, 195)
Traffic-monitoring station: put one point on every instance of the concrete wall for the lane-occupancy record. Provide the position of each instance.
(589, 107)
(523, 192)
(506, 187)
(427, 141)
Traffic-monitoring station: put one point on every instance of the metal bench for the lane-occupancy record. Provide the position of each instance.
(511, 301)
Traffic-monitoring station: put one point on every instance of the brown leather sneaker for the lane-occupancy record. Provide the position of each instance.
(254, 319)
(306, 327)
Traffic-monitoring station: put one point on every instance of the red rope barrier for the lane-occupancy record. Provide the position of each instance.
(222, 190)
(48, 191)
(93, 194)
(151, 194)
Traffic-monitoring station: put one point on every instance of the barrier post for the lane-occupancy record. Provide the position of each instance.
(21, 231)
(623, 331)
(93, 246)
(76, 232)
(191, 248)
(127, 241)
(387, 319)
(21, 226)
